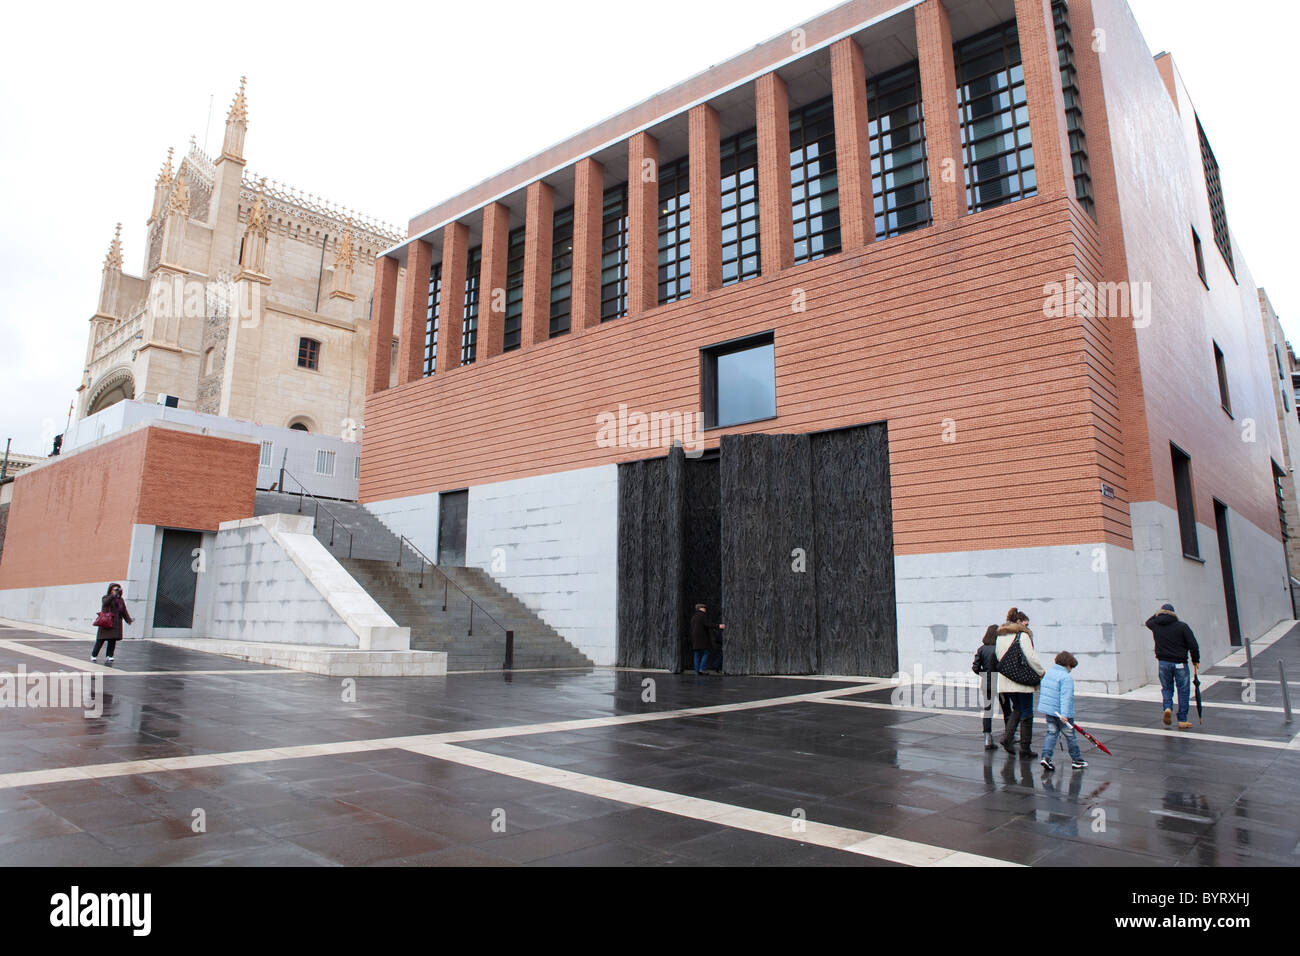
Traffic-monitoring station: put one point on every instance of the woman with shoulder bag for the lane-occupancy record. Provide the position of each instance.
(1019, 673)
(112, 612)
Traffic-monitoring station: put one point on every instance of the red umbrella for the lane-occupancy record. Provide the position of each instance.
(1078, 729)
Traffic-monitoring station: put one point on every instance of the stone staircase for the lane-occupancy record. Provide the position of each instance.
(414, 598)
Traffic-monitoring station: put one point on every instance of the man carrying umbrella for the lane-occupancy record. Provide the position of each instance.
(1174, 640)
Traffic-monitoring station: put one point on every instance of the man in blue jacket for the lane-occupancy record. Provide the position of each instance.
(1056, 702)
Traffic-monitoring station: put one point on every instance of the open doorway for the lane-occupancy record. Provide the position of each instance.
(1225, 563)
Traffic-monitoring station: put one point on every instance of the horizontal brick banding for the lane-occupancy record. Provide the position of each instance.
(943, 323)
(70, 521)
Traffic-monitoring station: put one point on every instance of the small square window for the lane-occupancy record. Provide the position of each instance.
(739, 381)
(309, 354)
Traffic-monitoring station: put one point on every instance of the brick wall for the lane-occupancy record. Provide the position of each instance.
(70, 521)
(945, 323)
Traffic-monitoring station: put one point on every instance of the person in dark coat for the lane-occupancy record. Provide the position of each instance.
(702, 641)
(1174, 640)
(986, 666)
(112, 603)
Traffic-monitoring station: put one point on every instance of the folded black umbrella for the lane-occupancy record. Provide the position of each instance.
(1200, 708)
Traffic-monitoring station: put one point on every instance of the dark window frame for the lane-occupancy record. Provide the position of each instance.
(469, 324)
(896, 131)
(1073, 108)
(991, 95)
(674, 244)
(561, 297)
(613, 253)
(1200, 257)
(814, 189)
(512, 324)
(709, 356)
(1185, 497)
(738, 192)
(433, 309)
(1214, 189)
(309, 354)
(1221, 372)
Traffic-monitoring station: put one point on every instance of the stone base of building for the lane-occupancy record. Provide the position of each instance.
(328, 661)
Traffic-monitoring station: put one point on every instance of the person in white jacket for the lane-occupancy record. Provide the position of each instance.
(1020, 697)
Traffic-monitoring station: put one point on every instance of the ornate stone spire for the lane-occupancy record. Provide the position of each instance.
(180, 197)
(236, 125)
(252, 251)
(165, 174)
(111, 281)
(178, 212)
(114, 258)
(344, 260)
(162, 187)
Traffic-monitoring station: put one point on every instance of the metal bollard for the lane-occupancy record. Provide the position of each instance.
(1286, 693)
(510, 650)
(1250, 662)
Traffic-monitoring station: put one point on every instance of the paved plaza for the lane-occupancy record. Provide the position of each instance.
(198, 759)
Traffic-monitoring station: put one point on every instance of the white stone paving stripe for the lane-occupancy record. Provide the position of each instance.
(86, 667)
(27, 778)
(1090, 725)
(890, 849)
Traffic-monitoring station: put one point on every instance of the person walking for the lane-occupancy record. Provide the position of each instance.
(702, 637)
(1174, 641)
(986, 666)
(1056, 703)
(112, 612)
(1015, 652)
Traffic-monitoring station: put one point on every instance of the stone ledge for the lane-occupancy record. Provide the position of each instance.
(328, 661)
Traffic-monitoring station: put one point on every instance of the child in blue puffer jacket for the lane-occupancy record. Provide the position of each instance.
(1055, 702)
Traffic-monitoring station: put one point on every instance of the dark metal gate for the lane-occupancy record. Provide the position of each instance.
(177, 579)
(453, 512)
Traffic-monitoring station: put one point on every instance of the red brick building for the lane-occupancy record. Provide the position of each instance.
(992, 230)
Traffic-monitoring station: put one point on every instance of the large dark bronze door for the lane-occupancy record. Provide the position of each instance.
(177, 579)
(453, 512)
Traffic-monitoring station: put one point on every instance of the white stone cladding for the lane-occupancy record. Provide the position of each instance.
(275, 583)
(551, 540)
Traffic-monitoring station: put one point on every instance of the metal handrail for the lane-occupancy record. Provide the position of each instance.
(334, 521)
(404, 542)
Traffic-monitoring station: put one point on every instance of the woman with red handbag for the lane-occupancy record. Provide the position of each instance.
(109, 622)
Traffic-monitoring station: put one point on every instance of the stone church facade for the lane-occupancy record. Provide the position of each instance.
(254, 299)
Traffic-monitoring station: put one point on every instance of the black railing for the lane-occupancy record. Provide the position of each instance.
(335, 523)
(403, 543)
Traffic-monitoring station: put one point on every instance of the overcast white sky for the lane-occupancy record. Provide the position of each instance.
(391, 107)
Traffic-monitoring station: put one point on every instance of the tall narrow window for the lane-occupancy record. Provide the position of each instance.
(1186, 505)
(1200, 258)
(674, 231)
(469, 329)
(999, 156)
(1222, 372)
(900, 179)
(1218, 215)
(740, 257)
(308, 354)
(431, 319)
(1073, 107)
(514, 317)
(613, 254)
(814, 182)
(561, 271)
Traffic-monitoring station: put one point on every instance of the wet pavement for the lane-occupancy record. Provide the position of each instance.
(598, 767)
